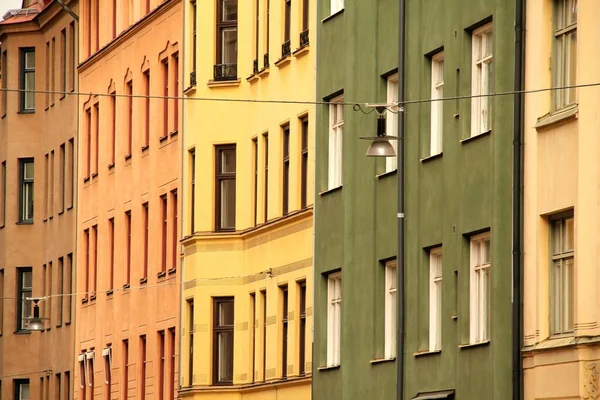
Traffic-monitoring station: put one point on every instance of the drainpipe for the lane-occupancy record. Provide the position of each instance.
(400, 256)
(517, 201)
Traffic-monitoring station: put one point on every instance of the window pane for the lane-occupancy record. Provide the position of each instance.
(225, 356)
(570, 66)
(27, 280)
(557, 296)
(30, 60)
(28, 170)
(568, 294)
(228, 161)
(229, 43)
(228, 203)
(568, 232)
(225, 313)
(572, 12)
(29, 85)
(24, 391)
(229, 10)
(488, 43)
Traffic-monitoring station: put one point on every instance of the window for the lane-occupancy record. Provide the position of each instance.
(562, 275)
(71, 180)
(67, 385)
(336, 6)
(82, 374)
(63, 188)
(391, 122)
(302, 328)
(129, 94)
(90, 361)
(124, 370)
(161, 364)
(113, 128)
(70, 288)
(225, 187)
(174, 229)
(175, 91)
(267, 36)
(146, 140)
(285, 47)
(48, 78)
(304, 165)
(143, 366)
(51, 185)
(146, 234)
(190, 307)
(27, 96)
(111, 253)
(61, 287)
(334, 318)
(286, 170)
(172, 364)
(50, 292)
(266, 187)
(107, 358)
(42, 389)
(95, 270)
(73, 37)
(114, 19)
(25, 290)
(88, 148)
(147, 9)
(263, 295)
(86, 246)
(255, 177)
(284, 331)
(336, 137)
(58, 386)
(482, 81)
(4, 82)
(305, 18)
(253, 335)
(53, 76)
(26, 190)
(96, 137)
(195, 37)
(226, 68)
(192, 190)
(21, 389)
(437, 107)
(435, 298)
(390, 304)
(1, 301)
(127, 249)
(164, 221)
(564, 70)
(63, 61)
(256, 35)
(3, 194)
(165, 72)
(480, 288)
(223, 341)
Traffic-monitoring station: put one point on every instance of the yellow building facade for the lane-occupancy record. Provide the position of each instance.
(561, 206)
(247, 200)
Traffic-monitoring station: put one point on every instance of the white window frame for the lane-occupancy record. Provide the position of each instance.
(435, 298)
(481, 107)
(82, 370)
(391, 304)
(563, 64)
(480, 288)
(336, 6)
(562, 278)
(391, 121)
(107, 357)
(334, 318)
(437, 107)
(90, 357)
(336, 141)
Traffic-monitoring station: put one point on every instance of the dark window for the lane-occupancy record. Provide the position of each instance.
(127, 248)
(175, 92)
(191, 342)
(86, 246)
(165, 73)
(26, 190)
(223, 341)
(129, 93)
(113, 133)
(67, 385)
(194, 30)
(27, 80)
(96, 25)
(125, 370)
(71, 172)
(143, 366)
(266, 194)
(253, 327)
(61, 287)
(255, 173)
(4, 82)
(226, 67)
(63, 62)
(286, 29)
(304, 166)
(268, 23)
(107, 356)
(111, 251)
(146, 233)
(225, 187)
(263, 295)
(286, 169)
(192, 189)
(302, 344)
(172, 364)
(114, 19)
(174, 230)
(95, 270)
(284, 335)
(164, 219)
(88, 148)
(1, 301)
(63, 186)
(73, 54)
(146, 110)
(22, 389)
(256, 35)
(147, 6)
(305, 16)
(3, 194)
(96, 137)
(161, 364)
(24, 291)
(57, 386)
(70, 288)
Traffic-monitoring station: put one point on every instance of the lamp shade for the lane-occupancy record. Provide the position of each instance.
(381, 147)
(35, 322)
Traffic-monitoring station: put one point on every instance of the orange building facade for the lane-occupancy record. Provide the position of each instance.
(128, 229)
(38, 141)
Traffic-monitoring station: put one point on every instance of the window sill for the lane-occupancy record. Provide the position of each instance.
(145, 147)
(127, 157)
(62, 97)
(253, 78)
(109, 292)
(93, 297)
(332, 367)
(2, 226)
(126, 286)
(426, 353)
(381, 360)
(218, 84)
(332, 190)
(263, 72)
(172, 271)
(24, 223)
(300, 51)
(386, 174)
(282, 62)
(472, 345)
(143, 281)
(22, 332)
(163, 138)
(190, 91)
(475, 137)
(161, 274)
(67, 323)
(111, 166)
(174, 133)
(61, 212)
(26, 112)
(59, 326)
(558, 117)
(86, 179)
(84, 300)
(69, 208)
(45, 220)
(50, 217)
(432, 157)
(335, 14)
(94, 175)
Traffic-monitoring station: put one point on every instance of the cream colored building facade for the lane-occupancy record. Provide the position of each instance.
(561, 202)
(128, 289)
(248, 200)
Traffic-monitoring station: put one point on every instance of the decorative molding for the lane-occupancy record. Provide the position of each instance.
(591, 378)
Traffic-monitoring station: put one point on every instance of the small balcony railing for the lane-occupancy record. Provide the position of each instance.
(225, 72)
(193, 78)
(255, 67)
(286, 50)
(304, 38)
(266, 60)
